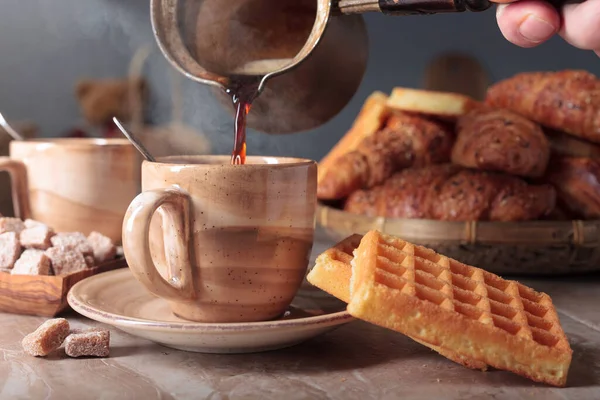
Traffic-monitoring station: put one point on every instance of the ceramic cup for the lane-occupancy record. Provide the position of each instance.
(222, 242)
(74, 184)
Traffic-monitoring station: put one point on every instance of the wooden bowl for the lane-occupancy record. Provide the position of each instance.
(517, 248)
(42, 294)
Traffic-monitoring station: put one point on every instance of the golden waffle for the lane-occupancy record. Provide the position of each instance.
(332, 273)
(332, 270)
(474, 313)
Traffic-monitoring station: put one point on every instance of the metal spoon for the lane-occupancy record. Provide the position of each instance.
(138, 145)
(14, 134)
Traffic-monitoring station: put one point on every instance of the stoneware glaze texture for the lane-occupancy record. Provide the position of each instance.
(118, 299)
(77, 185)
(231, 243)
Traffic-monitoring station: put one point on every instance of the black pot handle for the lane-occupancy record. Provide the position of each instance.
(416, 7)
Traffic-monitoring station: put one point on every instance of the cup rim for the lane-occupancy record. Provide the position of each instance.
(74, 142)
(268, 161)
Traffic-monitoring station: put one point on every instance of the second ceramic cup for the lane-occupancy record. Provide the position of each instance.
(74, 185)
(221, 242)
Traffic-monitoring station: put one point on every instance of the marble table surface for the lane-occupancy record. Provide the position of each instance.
(355, 361)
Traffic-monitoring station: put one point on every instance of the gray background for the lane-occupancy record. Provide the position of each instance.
(46, 45)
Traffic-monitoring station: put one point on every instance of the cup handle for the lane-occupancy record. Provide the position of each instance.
(20, 193)
(174, 209)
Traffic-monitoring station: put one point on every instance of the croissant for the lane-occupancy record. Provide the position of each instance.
(452, 193)
(405, 141)
(577, 182)
(568, 101)
(563, 144)
(500, 140)
(370, 120)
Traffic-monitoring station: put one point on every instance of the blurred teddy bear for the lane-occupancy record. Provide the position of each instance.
(102, 99)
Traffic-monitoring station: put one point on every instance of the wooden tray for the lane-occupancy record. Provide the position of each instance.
(517, 248)
(41, 294)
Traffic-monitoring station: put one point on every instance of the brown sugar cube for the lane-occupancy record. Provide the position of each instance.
(32, 262)
(66, 260)
(31, 223)
(8, 224)
(37, 237)
(46, 338)
(83, 330)
(10, 249)
(88, 343)
(103, 246)
(74, 240)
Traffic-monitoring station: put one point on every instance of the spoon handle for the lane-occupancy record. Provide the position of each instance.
(4, 124)
(136, 143)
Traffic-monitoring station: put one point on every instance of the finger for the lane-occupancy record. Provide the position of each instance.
(528, 23)
(581, 24)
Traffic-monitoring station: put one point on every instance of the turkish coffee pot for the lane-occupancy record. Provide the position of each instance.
(308, 56)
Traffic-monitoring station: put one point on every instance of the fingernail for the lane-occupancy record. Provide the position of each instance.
(500, 9)
(536, 29)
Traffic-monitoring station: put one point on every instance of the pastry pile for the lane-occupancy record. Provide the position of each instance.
(527, 152)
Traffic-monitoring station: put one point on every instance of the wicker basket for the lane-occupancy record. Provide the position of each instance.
(508, 248)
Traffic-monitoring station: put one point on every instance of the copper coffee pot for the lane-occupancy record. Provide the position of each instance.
(309, 55)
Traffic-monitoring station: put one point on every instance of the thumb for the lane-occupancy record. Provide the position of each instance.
(527, 23)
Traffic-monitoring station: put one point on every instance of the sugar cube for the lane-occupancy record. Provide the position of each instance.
(10, 249)
(8, 224)
(66, 260)
(73, 240)
(31, 223)
(32, 262)
(88, 343)
(46, 338)
(37, 237)
(103, 247)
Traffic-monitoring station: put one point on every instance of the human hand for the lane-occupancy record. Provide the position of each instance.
(528, 23)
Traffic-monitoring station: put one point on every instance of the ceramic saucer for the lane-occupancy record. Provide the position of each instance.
(118, 299)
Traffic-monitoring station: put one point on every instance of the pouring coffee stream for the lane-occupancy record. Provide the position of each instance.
(242, 95)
